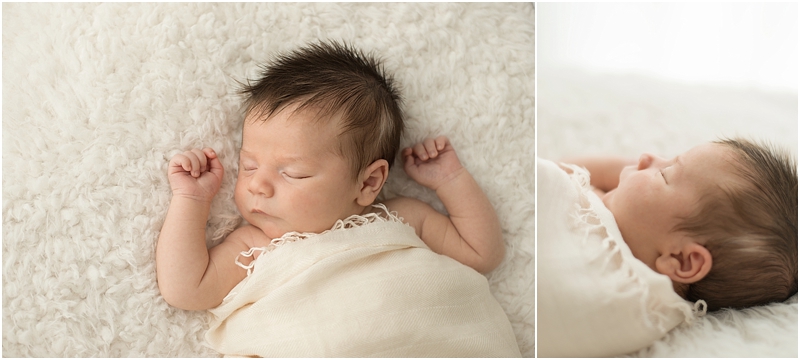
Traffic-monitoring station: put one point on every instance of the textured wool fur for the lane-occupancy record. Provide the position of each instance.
(98, 97)
(582, 113)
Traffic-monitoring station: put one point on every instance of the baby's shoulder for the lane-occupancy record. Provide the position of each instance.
(404, 203)
(412, 211)
(407, 207)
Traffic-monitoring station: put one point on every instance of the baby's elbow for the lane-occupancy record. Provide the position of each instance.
(497, 258)
(172, 298)
(183, 301)
(186, 303)
(491, 261)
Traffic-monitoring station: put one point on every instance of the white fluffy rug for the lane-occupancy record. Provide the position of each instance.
(581, 113)
(97, 97)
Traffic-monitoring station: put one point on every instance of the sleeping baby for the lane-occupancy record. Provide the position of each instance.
(719, 221)
(320, 268)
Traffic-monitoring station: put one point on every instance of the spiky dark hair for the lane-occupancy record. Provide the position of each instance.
(334, 79)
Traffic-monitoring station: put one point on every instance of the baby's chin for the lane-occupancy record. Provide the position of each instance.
(272, 232)
(606, 198)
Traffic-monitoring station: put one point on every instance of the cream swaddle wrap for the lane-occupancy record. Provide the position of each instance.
(369, 287)
(595, 299)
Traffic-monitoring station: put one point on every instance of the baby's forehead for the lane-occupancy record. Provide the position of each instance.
(308, 127)
(716, 166)
(296, 111)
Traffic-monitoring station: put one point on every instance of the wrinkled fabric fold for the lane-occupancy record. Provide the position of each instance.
(368, 289)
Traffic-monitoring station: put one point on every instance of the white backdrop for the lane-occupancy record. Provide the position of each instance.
(745, 44)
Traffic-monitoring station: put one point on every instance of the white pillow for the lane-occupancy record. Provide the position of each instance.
(594, 297)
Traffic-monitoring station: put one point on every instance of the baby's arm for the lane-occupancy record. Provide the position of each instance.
(603, 170)
(471, 234)
(188, 275)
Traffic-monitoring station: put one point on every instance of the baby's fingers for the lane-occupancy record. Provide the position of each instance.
(190, 162)
(214, 165)
(441, 142)
(431, 148)
(199, 162)
(181, 161)
(420, 151)
(209, 153)
(407, 152)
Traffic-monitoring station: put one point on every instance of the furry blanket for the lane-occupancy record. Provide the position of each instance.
(583, 113)
(97, 97)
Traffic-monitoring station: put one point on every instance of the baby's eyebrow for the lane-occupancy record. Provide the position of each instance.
(291, 159)
(284, 159)
(672, 174)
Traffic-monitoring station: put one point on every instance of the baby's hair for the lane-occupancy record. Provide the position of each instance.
(335, 80)
(750, 229)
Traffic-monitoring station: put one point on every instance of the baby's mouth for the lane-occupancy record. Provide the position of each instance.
(258, 211)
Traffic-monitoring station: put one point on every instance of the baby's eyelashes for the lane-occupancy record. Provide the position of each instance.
(296, 176)
(247, 165)
(665, 172)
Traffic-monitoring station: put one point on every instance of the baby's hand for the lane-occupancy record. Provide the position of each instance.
(432, 162)
(195, 174)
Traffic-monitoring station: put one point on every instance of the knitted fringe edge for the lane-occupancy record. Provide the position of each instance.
(350, 222)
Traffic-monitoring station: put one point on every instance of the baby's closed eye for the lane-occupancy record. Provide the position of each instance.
(247, 164)
(295, 176)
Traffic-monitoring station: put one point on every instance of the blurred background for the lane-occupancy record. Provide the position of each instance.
(625, 78)
(744, 44)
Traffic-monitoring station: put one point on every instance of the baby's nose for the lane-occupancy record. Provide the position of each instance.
(648, 160)
(260, 185)
(645, 160)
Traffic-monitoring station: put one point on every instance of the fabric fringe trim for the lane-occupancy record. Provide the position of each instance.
(586, 217)
(696, 309)
(350, 222)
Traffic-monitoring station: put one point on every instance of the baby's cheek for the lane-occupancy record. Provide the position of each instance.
(319, 212)
(239, 198)
(309, 205)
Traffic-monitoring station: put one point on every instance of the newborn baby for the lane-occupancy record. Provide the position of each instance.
(622, 243)
(320, 269)
(720, 219)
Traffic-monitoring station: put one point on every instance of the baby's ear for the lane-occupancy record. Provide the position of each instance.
(371, 181)
(688, 264)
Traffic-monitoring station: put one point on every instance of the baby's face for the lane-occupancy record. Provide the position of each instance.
(290, 178)
(653, 194)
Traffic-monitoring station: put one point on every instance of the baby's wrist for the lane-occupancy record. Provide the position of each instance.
(451, 179)
(192, 200)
